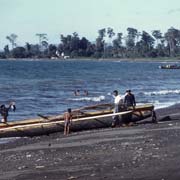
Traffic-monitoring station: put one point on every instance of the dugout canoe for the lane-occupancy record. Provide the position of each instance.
(92, 117)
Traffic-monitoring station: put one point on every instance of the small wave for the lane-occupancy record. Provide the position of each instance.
(109, 94)
(162, 92)
(94, 99)
(117, 61)
(159, 105)
(163, 105)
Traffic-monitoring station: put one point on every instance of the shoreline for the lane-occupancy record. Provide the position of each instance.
(145, 151)
(166, 59)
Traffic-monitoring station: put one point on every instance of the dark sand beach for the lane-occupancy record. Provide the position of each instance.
(144, 151)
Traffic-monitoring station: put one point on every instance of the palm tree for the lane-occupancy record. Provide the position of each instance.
(157, 35)
(12, 39)
(42, 37)
(110, 33)
(43, 41)
(171, 37)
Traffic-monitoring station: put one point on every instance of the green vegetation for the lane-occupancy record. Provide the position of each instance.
(108, 44)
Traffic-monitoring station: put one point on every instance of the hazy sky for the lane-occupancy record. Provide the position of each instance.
(28, 17)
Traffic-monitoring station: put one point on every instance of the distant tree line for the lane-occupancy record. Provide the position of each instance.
(108, 44)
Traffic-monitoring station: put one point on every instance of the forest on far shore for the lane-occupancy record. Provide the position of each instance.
(108, 44)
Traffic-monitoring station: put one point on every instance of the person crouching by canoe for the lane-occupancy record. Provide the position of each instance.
(4, 111)
(67, 121)
(118, 100)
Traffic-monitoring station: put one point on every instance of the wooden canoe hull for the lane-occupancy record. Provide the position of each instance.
(87, 121)
(46, 128)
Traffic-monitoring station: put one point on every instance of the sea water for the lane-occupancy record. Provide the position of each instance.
(47, 86)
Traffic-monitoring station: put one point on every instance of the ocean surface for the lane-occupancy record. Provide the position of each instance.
(47, 86)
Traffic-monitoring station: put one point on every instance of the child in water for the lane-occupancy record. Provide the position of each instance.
(77, 92)
(67, 121)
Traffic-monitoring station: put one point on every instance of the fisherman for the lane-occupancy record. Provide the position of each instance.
(67, 121)
(118, 102)
(4, 111)
(129, 99)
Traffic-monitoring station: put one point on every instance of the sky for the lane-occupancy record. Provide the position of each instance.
(54, 17)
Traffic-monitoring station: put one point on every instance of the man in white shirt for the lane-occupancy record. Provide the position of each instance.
(118, 101)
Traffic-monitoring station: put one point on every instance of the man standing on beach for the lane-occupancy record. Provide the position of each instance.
(67, 121)
(129, 100)
(118, 100)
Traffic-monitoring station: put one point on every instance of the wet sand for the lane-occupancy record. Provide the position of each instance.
(144, 151)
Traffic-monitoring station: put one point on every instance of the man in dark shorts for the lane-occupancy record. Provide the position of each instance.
(67, 121)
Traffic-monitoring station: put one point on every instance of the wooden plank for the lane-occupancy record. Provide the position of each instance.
(102, 116)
